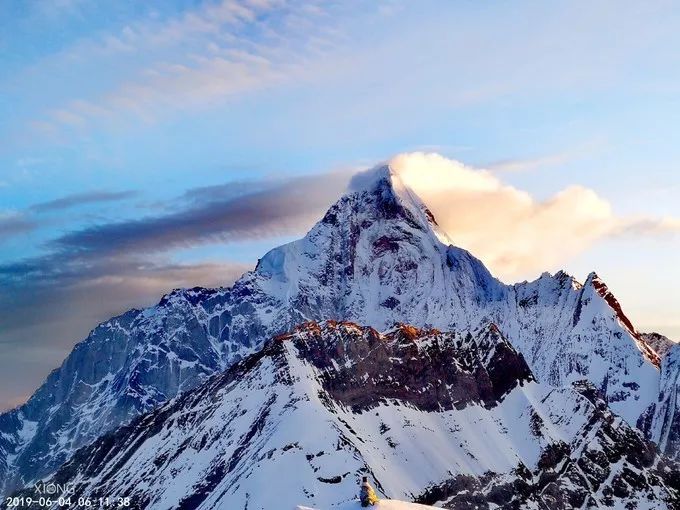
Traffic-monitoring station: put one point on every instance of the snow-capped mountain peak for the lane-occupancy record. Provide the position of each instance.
(386, 180)
(594, 281)
(378, 258)
(603, 291)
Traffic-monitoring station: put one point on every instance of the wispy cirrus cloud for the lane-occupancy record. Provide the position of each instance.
(529, 164)
(559, 158)
(206, 55)
(237, 212)
(211, 53)
(78, 199)
(13, 223)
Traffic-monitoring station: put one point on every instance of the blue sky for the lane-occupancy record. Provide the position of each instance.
(128, 116)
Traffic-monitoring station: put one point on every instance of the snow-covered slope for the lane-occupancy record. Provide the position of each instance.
(383, 504)
(377, 258)
(126, 366)
(662, 421)
(452, 419)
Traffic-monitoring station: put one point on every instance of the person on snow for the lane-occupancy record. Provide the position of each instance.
(367, 494)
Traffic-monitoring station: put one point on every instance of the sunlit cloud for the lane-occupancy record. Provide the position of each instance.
(515, 234)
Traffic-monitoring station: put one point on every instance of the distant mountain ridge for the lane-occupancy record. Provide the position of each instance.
(376, 258)
(659, 343)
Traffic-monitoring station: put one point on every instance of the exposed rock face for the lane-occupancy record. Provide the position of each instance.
(425, 369)
(376, 258)
(286, 426)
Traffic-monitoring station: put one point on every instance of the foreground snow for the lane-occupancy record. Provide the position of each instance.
(383, 504)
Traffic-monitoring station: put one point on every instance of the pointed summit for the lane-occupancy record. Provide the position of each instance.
(378, 254)
(394, 197)
(595, 283)
(600, 287)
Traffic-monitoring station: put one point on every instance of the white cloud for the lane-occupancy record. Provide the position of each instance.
(515, 234)
(205, 56)
(362, 63)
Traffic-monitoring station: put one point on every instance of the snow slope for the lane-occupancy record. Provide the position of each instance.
(662, 421)
(445, 418)
(383, 504)
(376, 258)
